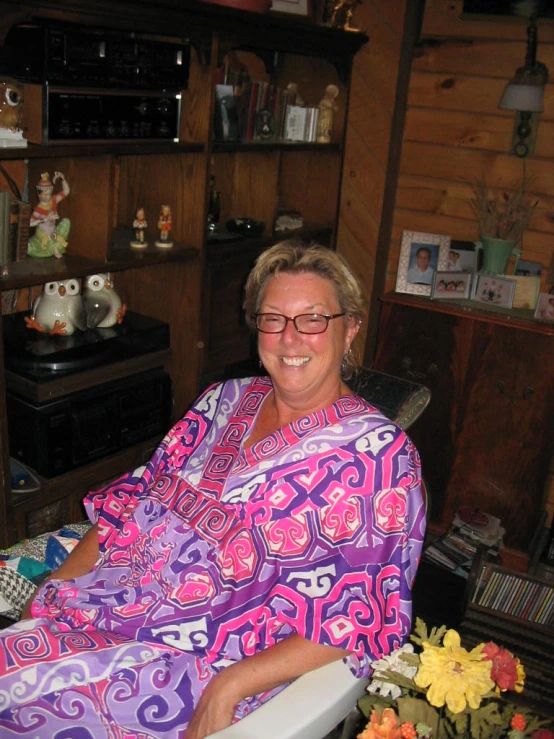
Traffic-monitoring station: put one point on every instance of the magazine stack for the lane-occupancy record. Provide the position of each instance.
(472, 531)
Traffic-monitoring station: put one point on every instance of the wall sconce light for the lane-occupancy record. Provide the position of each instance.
(525, 94)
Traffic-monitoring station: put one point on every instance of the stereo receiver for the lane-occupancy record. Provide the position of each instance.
(66, 433)
(56, 115)
(73, 56)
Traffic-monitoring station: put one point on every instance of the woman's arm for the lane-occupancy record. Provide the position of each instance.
(80, 561)
(279, 664)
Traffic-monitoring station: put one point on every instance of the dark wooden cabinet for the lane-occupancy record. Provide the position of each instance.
(487, 438)
(194, 287)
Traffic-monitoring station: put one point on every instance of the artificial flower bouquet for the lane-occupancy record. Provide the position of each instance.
(442, 690)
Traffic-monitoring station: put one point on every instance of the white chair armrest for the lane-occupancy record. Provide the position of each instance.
(308, 708)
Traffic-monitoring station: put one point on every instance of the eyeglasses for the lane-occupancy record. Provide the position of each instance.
(305, 323)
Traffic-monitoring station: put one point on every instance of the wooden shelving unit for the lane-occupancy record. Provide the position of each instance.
(192, 285)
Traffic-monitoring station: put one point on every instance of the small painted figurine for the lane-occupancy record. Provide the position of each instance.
(50, 238)
(327, 107)
(58, 309)
(11, 104)
(140, 225)
(341, 14)
(164, 227)
(103, 306)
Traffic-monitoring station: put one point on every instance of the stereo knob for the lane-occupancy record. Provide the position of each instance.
(164, 106)
(143, 108)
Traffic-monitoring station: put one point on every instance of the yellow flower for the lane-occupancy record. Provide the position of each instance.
(453, 675)
(520, 678)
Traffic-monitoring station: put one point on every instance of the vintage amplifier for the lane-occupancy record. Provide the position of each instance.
(72, 431)
(62, 115)
(74, 56)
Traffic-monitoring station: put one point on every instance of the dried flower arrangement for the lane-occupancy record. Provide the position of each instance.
(501, 214)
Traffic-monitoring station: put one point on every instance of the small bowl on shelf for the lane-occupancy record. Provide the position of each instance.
(246, 226)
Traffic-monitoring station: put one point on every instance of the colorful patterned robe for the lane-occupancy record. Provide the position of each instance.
(212, 553)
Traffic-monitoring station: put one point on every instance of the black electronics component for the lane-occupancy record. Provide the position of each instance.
(40, 358)
(61, 435)
(75, 56)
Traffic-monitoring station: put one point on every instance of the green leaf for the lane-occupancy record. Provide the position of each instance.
(418, 711)
(367, 703)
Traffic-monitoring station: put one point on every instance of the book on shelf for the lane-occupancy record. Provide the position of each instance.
(20, 225)
(5, 208)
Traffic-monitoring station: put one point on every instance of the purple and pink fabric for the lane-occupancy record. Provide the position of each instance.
(213, 552)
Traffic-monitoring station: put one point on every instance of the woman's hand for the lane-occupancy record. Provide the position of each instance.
(252, 675)
(215, 709)
(26, 612)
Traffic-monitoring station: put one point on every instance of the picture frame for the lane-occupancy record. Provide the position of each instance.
(415, 273)
(451, 285)
(545, 307)
(494, 290)
(463, 256)
(528, 269)
(292, 7)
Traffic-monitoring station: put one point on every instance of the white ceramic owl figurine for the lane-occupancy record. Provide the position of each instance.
(103, 306)
(58, 309)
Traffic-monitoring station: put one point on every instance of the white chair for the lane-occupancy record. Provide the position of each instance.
(308, 708)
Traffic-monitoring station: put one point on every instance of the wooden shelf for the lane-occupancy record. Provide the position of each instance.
(84, 149)
(514, 317)
(31, 271)
(232, 147)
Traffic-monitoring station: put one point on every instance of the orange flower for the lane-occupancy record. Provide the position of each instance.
(518, 722)
(385, 727)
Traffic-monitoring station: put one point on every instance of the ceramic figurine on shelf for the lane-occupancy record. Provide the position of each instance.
(11, 106)
(340, 15)
(50, 238)
(58, 309)
(327, 107)
(103, 306)
(164, 227)
(140, 225)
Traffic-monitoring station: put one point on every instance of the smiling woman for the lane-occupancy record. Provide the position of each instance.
(276, 529)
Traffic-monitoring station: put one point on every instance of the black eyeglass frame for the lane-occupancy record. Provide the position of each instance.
(294, 319)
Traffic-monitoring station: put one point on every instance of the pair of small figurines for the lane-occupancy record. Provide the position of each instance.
(164, 227)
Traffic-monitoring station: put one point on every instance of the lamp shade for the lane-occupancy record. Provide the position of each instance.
(527, 97)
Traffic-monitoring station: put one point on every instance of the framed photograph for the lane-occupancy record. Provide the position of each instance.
(545, 307)
(528, 269)
(494, 290)
(451, 285)
(295, 7)
(463, 257)
(421, 255)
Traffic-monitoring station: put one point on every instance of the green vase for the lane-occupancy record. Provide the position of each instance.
(496, 255)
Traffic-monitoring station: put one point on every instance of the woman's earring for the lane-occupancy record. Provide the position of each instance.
(345, 363)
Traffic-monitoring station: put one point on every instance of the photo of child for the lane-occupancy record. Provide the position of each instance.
(495, 290)
(545, 307)
(452, 284)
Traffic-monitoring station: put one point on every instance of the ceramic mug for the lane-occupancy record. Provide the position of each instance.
(496, 254)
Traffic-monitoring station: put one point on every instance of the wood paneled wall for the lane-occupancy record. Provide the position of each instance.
(455, 133)
(372, 101)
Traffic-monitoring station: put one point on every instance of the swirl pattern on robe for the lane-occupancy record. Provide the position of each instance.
(213, 552)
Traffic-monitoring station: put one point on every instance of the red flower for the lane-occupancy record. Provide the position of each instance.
(504, 666)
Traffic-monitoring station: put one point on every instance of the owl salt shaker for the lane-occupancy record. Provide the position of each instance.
(103, 306)
(58, 309)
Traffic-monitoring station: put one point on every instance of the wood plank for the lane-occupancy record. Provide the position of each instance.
(500, 170)
(369, 123)
(457, 91)
(473, 130)
(446, 19)
(480, 57)
(452, 198)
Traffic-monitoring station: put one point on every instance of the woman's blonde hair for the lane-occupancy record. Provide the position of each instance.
(295, 256)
